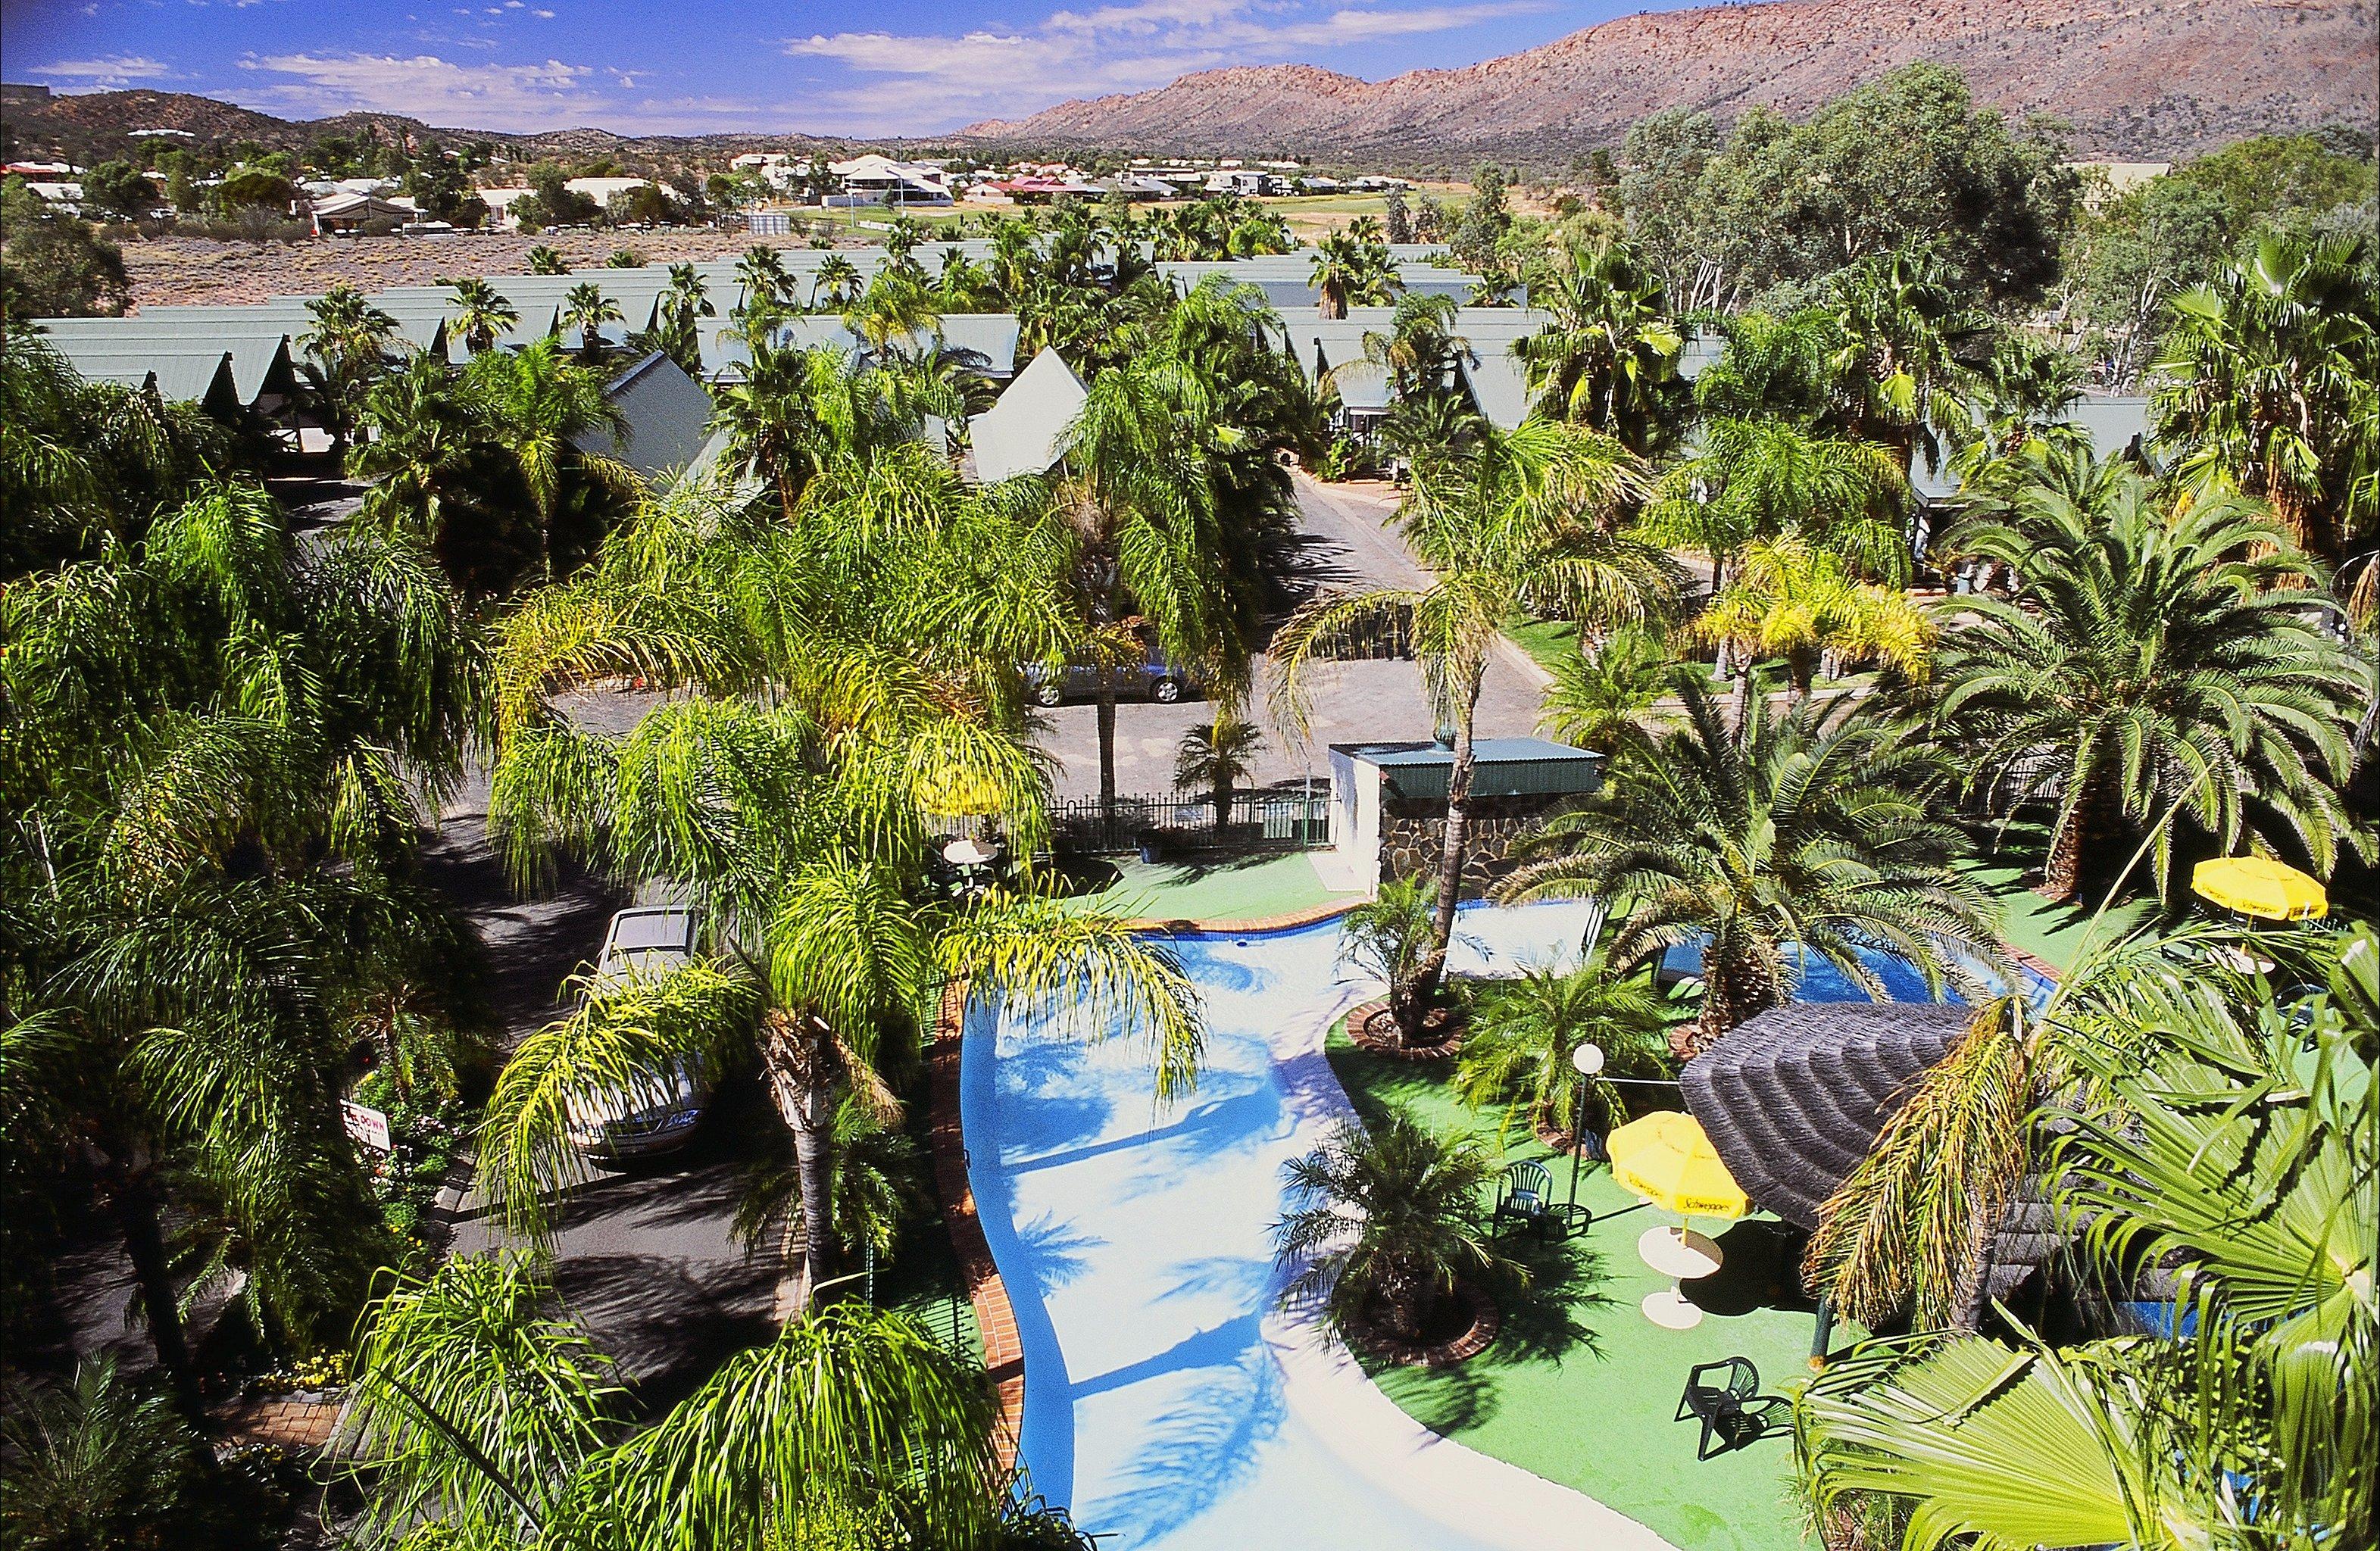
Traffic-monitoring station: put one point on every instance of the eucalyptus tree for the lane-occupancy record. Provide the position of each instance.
(2268, 384)
(481, 314)
(1518, 523)
(1810, 830)
(219, 748)
(481, 1418)
(1608, 359)
(2161, 667)
(825, 724)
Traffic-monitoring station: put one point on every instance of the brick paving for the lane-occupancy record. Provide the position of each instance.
(288, 1422)
(1003, 1353)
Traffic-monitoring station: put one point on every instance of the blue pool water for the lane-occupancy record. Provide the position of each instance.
(1135, 1244)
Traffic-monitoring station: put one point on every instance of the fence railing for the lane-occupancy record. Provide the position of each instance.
(1271, 819)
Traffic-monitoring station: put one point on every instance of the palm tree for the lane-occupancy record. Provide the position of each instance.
(102, 1465)
(479, 1411)
(220, 744)
(1517, 1051)
(836, 723)
(2157, 658)
(347, 349)
(432, 472)
(1389, 938)
(1802, 831)
(540, 408)
(681, 307)
(760, 271)
(1789, 600)
(1388, 1222)
(1421, 350)
(1170, 493)
(2019, 402)
(2266, 384)
(835, 284)
(587, 309)
(1899, 364)
(481, 314)
(1769, 478)
(2267, 1389)
(1608, 359)
(1348, 270)
(543, 260)
(1600, 695)
(1217, 757)
(1512, 526)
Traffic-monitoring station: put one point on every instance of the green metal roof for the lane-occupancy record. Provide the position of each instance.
(669, 419)
(1500, 767)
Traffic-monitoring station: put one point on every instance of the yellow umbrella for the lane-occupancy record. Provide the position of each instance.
(2260, 886)
(1666, 1159)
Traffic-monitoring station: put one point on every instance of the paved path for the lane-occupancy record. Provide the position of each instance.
(1347, 546)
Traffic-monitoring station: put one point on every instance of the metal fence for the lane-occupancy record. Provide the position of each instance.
(1271, 819)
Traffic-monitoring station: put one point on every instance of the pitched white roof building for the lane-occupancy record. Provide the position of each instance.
(1026, 430)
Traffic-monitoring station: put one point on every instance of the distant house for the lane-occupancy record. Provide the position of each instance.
(347, 212)
(878, 179)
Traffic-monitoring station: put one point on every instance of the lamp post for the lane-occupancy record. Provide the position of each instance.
(1587, 1060)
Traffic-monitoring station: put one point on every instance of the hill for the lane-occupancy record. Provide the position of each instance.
(2135, 78)
(88, 127)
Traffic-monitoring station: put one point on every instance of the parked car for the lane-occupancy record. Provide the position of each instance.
(1157, 679)
(658, 1111)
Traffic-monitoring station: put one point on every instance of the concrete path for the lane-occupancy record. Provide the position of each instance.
(1347, 546)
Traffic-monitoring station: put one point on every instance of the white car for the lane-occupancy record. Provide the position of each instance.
(659, 1111)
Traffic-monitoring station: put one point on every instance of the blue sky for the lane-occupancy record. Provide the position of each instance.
(887, 67)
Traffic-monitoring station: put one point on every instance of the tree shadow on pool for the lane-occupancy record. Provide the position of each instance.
(1054, 1252)
(1202, 1448)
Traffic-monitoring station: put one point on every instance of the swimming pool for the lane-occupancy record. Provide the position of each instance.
(1164, 1402)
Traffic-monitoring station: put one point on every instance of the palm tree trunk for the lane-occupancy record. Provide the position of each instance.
(800, 1081)
(1107, 698)
(1454, 850)
(132, 1201)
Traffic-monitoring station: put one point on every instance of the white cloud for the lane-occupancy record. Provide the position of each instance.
(470, 96)
(118, 70)
(919, 82)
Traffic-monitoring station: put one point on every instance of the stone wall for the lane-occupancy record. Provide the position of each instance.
(1413, 832)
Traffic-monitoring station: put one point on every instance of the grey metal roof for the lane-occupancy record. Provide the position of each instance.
(257, 341)
(1023, 432)
(1500, 384)
(1794, 1098)
(191, 377)
(669, 419)
(1503, 766)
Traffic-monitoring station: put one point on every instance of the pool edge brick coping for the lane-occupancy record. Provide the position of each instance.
(1004, 1351)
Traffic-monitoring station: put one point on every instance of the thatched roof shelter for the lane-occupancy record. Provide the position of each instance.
(1793, 1097)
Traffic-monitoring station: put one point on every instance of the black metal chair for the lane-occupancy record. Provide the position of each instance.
(1524, 1196)
(1734, 1412)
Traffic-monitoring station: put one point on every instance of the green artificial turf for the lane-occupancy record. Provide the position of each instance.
(1582, 1390)
(1233, 888)
(2055, 933)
